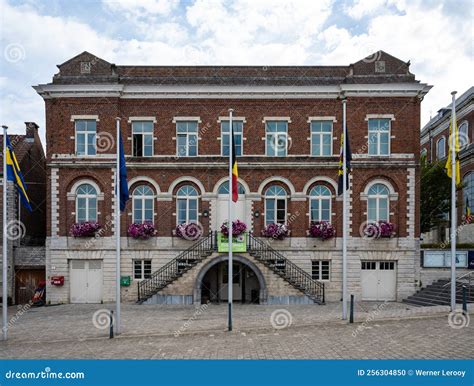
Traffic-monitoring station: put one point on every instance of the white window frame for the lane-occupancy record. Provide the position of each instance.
(443, 138)
(320, 271)
(142, 268)
(187, 135)
(143, 198)
(187, 198)
(241, 135)
(377, 198)
(85, 133)
(87, 197)
(274, 138)
(275, 198)
(378, 133)
(468, 137)
(319, 199)
(321, 135)
(143, 139)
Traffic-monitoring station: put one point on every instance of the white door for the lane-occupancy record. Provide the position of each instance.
(378, 280)
(223, 210)
(86, 281)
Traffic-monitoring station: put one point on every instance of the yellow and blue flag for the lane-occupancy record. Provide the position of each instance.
(14, 175)
(448, 165)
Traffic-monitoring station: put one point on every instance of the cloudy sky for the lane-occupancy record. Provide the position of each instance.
(436, 36)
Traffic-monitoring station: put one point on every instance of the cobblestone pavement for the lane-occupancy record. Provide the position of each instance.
(384, 330)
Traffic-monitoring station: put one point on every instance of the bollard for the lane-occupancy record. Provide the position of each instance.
(464, 299)
(111, 327)
(351, 316)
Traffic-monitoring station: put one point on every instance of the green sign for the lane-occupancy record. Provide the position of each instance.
(239, 243)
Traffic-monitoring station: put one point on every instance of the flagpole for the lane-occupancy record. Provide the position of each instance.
(230, 276)
(5, 240)
(344, 212)
(117, 231)
(453, 202)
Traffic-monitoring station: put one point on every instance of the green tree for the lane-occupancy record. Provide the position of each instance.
(435, 194)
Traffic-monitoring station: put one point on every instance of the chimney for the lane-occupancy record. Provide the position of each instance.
(31, 130)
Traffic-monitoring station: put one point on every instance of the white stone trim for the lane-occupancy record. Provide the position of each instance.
(54, 202)
(287, 119)
(226, 118)
(224, 179)
(316, 179)
(380, 116)
(284, 180)
(322, 118)
(144, 179)
(181, 118)
(393, 195)
(185, 179)
(78, 117)
(71, 194)
(411, 201)
(131, 119)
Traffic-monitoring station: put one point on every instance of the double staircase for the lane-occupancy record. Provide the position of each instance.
(439, 292)
(257, 248)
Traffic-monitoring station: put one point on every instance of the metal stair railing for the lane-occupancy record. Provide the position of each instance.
(464, 278)
(288, 270)
(177, 267)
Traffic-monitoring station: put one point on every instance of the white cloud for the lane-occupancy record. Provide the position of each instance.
(142, 8)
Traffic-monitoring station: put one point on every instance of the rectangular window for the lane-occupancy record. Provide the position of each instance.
(238, 127)
(368, 265)
(320, 269)
(86, 132)
(141, 269)
(387, 265)
(276, 139)
(379, 136)
(187, 138)
(187, 210)
(321, 138)
(142, 137)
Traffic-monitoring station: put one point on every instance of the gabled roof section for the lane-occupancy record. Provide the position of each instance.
(84, 66)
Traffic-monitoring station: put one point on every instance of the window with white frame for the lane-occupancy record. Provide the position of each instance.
(141, 269)
(320, 269)
(143, 204)
(379, 136)
(86, 203)
(275, 205)
(187, 205)
(468, 191)
(86, 133)
(464, 134)
(320, 203)
(441, 148)
(238, 128)
(276, 139)
(142, 138)
(187, 138)
(224, 188)
(321, 138)
(378, 203)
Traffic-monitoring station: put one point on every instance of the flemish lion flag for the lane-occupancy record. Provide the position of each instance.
(456, 150)
(235, 171)
(468, 211)
(340, 182)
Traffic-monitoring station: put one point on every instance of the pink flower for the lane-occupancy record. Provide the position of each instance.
(276, 231)
(84, 229)
(142, 231)
(322, 229)
(238, 227)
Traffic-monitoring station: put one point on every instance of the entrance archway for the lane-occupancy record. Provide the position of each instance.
(248, 282)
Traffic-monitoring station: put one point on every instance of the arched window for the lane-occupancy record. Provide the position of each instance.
(86, 203)
(275, 205)
(468, 191)
(441, 148)
(143, 204)
(187, 205)
(320, 203)
(224, 188)
(464, 134)
(378, 203)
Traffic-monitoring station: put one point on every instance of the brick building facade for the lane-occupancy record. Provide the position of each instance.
(289, 121)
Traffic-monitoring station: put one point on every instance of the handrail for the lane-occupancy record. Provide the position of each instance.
(460, 277)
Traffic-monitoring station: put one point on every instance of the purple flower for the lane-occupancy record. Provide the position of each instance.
(322, 229)
(85, 229)
(276, 231)
(379, 229)
(142, 231)
(238, 227)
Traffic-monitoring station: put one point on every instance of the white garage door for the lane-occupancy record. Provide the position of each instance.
(379, 280)
(86, 281)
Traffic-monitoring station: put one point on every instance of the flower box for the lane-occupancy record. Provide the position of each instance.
(142, 231)
(84, 229)
(380, 229)
(322, 230)
(276, 231)
(191, 231)
(238, 227)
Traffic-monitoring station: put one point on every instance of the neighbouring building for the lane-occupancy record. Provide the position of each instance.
(287, 124)
(26, 232)
(435, 145)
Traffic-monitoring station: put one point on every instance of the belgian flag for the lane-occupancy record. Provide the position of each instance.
(235, 171)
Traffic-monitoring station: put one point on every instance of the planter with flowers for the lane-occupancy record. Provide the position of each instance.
(276, 231)
(239, 237)
(238, 228)
(322, 230)
(190, 231)
(142, 231)
(379, 229)
(84, 229)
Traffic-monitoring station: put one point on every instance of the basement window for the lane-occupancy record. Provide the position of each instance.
(141, 269)
(320, 269)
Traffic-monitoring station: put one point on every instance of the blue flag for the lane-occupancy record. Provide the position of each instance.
(123, 193)
(14, 175)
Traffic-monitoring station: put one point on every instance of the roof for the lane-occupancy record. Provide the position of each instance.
(20, 146)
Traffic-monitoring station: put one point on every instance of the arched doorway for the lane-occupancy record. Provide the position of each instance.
(248, 282)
